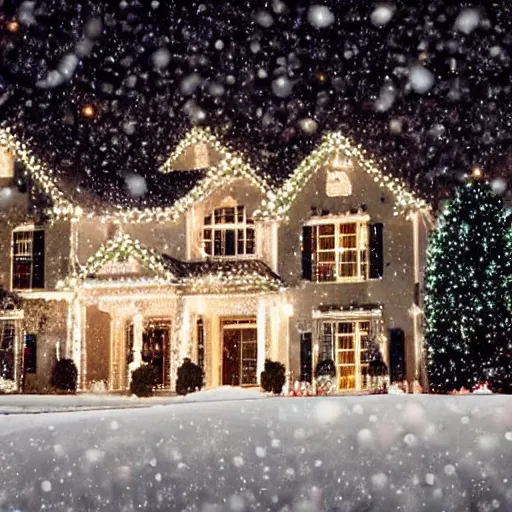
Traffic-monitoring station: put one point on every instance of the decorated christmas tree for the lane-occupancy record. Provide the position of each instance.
(467, 292)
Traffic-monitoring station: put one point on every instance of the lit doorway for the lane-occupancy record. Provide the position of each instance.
(156, 349)
(239, 352)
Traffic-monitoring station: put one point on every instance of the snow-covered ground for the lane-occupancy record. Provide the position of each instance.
(12, 404)
(373, 453)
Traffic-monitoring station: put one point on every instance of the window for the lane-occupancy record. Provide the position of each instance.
(340, 251)
(28, 259)
(228, 232)
(346, 343)
(349, 249)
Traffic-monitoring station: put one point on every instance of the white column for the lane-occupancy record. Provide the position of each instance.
(185, 332)
(138, 329)
(76, 350)
(83, 346)
(260, 324)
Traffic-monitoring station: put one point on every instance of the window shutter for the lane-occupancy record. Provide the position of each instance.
(306, 253)
(38, 260)
(376, 251)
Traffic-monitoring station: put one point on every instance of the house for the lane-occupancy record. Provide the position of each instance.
(210, 261)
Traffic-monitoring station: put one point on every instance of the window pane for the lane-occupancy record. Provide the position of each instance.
(207, 234)
(326, 243)
(240, 241)
(229, 215)
(240, 213)
(208, 248)
(230, 243)
(348, 228)
(208, 220)
(326, 229)
(217, 243)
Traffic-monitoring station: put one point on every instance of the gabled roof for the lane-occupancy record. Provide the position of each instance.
(192, 276)
(330, 144)
(42, 176)
(168, 195)
(118, 248)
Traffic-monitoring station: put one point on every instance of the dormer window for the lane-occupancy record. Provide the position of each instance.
(228, 233)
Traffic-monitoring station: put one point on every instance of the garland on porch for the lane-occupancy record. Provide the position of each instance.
(241, 278)
(121, 247)
(332, 143)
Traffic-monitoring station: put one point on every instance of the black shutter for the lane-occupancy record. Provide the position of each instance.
(306, 253)
(38, 260)
(376, 251)
(397, 355)
(30, 354)
(306, 357)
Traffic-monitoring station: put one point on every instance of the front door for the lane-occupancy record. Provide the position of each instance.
(155, 350)
(239, 352)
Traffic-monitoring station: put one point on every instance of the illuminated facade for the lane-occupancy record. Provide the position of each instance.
(229, 271)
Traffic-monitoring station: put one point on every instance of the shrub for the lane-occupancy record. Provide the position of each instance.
(190, 377)
(143, 380)
(64, 376)
(273, 377)
(325, 368)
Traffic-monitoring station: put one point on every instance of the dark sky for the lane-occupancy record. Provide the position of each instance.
(424, 86)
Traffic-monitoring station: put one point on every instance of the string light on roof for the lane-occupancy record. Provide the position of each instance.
(13, 26)
(88, 111)
(477, 173)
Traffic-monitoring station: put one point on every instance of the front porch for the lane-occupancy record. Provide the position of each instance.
(229, 336)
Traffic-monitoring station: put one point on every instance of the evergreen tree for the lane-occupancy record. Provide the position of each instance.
(467, 292)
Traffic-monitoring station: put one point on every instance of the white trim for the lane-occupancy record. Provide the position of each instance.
(28, 227)
(347, 218)
(46, 295)
(326, 315)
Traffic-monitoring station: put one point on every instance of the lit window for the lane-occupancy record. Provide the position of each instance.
(28, 259)
(228, 232)
(340, 251)
(346, 343)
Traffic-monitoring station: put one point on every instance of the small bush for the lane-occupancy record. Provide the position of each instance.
(143, 380)
(273, 377)
(325, 368)
(64, 376)
(190, 377)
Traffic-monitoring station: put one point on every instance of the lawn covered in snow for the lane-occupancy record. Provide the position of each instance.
(373, 453)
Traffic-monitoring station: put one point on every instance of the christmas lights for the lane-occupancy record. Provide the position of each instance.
(332, 143)
(189, 277)
(43, 177)
(468, 314)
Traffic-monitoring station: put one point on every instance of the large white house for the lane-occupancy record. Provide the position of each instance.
(223, 267)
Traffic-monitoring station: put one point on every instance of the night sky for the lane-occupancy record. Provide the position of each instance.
(423, 86)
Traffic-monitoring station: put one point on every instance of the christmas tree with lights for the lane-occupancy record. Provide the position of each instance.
(467, 292)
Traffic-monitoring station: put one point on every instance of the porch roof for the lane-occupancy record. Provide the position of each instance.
(233, 273)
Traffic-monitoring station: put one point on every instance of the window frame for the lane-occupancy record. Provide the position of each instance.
(359, 336)
(241, 224)
(362, 234)
(27, 228)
